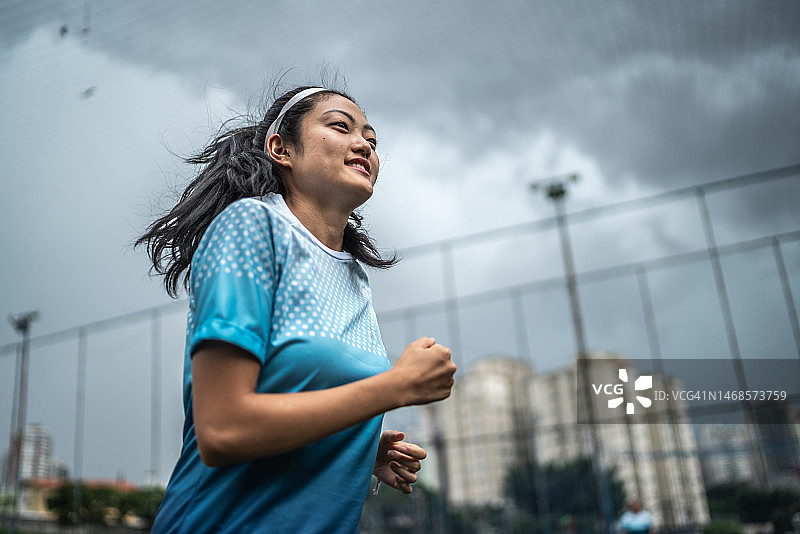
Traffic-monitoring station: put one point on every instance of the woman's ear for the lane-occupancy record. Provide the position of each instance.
(278, 151)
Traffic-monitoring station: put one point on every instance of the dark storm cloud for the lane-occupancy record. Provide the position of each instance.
(661, 94)
(19, 19)
(664, 94)
(667, 94)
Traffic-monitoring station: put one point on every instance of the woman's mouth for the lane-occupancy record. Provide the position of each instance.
(360, 165)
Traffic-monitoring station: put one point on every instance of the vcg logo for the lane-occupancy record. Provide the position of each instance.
(642, 383)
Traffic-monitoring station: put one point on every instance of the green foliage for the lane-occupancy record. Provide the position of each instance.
(393, 512)
(143, 504)
(722, 499)
(104, 505)
(749, 504)
(425, 512)
(723, 526)
(60, 502)
(566, 488)
(491, 519)
(569, 487)
(6, 502)
(477, 519)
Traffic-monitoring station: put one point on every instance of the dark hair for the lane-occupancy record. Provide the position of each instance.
(236, 166)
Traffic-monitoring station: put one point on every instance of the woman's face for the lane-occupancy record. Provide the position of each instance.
(336, 165)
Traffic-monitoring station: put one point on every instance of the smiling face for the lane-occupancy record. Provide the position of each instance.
(335, 165)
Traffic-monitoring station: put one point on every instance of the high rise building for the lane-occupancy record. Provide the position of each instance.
(656, 460)
(502, 414)
(777, 424)
(726, 453)
(36, 451)
(764, 451)
(486, 427)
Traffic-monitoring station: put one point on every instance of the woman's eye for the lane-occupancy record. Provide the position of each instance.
(373, 142)
(341, 125)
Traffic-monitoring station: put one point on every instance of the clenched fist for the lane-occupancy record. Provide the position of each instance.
(425, 372)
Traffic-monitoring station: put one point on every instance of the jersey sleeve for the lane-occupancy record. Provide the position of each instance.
(233, 280)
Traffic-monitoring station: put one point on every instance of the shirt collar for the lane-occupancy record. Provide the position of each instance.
(277, 202)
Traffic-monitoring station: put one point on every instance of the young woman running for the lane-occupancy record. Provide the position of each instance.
(286, 378)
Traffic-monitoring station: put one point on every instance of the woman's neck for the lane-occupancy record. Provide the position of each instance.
(324, 222)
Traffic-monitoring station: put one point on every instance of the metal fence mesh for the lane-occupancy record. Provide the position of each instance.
(663, 277)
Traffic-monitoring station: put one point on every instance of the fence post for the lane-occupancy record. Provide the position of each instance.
(80, 414)
(787, 292)
(730, 327)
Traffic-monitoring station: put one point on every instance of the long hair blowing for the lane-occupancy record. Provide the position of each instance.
(234, 166)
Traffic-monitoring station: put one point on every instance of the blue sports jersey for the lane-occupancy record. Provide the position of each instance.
(263, 282)
(635, 522)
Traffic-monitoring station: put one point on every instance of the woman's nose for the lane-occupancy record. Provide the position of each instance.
(362, 146)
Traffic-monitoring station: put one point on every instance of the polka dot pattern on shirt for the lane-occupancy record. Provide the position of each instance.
(250, 247)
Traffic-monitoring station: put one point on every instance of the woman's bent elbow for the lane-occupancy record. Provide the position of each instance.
(214, 449)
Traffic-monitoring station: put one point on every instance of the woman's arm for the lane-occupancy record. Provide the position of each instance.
(234, 423)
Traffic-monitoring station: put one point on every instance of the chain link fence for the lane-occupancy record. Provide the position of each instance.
(686, 274)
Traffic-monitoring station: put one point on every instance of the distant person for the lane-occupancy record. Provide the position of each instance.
(636, 520)
(286, 378)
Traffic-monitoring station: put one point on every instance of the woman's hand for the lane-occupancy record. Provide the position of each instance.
(426, 372)
(397, 461)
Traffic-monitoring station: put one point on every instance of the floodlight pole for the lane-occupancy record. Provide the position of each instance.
(556, 190)
(21, 323)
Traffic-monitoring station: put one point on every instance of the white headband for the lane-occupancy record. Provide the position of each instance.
(273, 128)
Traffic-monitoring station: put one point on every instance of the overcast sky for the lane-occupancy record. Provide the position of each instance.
(471, 100)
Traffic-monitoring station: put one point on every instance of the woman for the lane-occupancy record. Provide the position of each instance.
(285, 375)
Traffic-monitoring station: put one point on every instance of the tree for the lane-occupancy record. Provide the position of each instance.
(392, 512)
(104, 505)
(749, 504)
(143, 504)
(566, 488)
(723, 526)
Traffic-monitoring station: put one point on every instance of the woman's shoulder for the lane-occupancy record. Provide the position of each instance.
(253, 206)
(246, 222)
(250, 210)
